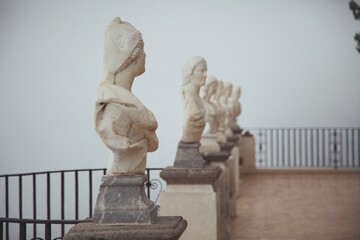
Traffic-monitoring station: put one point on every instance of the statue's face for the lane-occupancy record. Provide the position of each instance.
(212, 88)
(199, 75)
(219, 88)
(140, 62)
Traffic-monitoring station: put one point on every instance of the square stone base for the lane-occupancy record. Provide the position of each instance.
(164, 228)
(198, 204)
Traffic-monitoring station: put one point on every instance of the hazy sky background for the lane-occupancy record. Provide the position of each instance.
(294, 60)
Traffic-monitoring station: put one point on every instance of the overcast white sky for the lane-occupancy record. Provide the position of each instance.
(295, 61)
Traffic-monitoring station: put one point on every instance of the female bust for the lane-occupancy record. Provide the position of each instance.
(225, 101)
(194, 75)
(123, 123)
(220, 108)
(209, 90)
(236, 106)
(221, 112)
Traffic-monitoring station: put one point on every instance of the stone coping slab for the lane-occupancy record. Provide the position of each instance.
(233, 139)
(227, 146)
(221, 156)
(206, 175)
(164, 228)
(237, 130)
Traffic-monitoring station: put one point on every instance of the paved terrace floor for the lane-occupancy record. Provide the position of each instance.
(301, 206)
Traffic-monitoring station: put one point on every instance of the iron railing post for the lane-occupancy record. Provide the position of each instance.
(7, 206)
(90, 193)
(47, 231)
(48, 196)
(76, 195)
(1, 231)
(62, 195)
(148, 183)
(22, 231)
(20, 197)
(34, 204)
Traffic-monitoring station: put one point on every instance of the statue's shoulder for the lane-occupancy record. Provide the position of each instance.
(113, 94)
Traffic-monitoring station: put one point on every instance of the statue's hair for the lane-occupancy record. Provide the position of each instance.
(236, 93)
(210, 80)
(190, 66)
(122, 45)
(229, 87)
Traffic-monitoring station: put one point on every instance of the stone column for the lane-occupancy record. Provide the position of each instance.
(248, 154)
(222, 187)
(190, 193)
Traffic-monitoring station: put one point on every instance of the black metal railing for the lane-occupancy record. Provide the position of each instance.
(52, 202)
(307, 147)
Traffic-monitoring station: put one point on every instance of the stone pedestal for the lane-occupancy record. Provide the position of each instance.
(123, 211)
(233, 167)
(222, 187)
(248, 153)
(122, 200)
(164, 228)
(190, 193)
(227, 146)
(236, 129)
(188, 156)
(235, 154)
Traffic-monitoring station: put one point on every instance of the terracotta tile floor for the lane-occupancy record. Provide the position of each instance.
(298, 207)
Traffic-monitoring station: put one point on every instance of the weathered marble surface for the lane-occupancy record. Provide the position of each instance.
(209, 144)
(209, 90)
(225, 101)
(122, 200)
(194, 75)
(123, 123)
(221, 113)
(235, 106)
(208, 140)
(164, 228)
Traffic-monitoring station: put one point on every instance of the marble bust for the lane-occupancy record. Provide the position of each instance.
(209, 90)
(123, 123)
(221, 112)
(235, 106)
(194, 75)
(225, 102)
(208, 139)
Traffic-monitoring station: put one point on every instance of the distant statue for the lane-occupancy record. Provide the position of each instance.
(209, 90)
(221, 112)
(123, 123)
(225, 101)
(194, 75)
(209, 138)
(236, 107)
